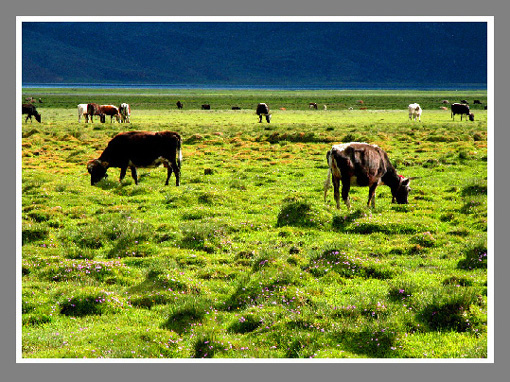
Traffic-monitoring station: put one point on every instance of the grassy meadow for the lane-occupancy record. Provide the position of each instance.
(245, 259)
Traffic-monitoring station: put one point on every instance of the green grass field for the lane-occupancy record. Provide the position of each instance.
(245, 259)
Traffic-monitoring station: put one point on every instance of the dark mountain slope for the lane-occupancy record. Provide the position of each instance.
(296, 54)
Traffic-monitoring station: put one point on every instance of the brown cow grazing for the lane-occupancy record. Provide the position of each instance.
(30, 110)
(365, 165)
(263, 110)
(459, 108)
(206, 107)
(179, 105)
(236, 108)
(312, 105)
(111, 110)
(93, 109)
(139, 149)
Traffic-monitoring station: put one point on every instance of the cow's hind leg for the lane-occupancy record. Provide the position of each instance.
(173, 166)
(346, 186)
(169, 173)
(336, 191)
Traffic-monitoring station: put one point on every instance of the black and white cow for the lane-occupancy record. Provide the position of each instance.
(263, 110)
(364, 165)
(139, 149)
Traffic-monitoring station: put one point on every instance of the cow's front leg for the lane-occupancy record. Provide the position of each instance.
(260, 118)
(133, 173)
(346, 186)
(122, 173)
(371, 195)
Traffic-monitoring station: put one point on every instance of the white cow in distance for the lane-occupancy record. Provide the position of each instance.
(415, 112)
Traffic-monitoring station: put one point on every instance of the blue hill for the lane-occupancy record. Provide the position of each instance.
(276, 54)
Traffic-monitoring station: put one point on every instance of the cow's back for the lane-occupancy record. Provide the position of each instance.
(363, 161)
(142, 149)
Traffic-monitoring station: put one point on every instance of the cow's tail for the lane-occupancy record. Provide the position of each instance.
(327, 182)
(179, 153)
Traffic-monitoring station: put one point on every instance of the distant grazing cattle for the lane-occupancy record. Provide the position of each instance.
(485, 107)
(360, 101)
(325, 107)
(445, 101)
(477, 102)
(40, 100)
(443, 108)
(458, 108)
(30, 110)
(364, 165)
(179, 105)
(139, 149)
(111, 110)
(125, 112)
(312, 105)
(30, 99)
(206, 107)
(236, 108)
(263, 110)
(283, 108)
(464, 101)
(415, 112)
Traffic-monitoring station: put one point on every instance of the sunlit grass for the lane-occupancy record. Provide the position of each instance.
(245, 259)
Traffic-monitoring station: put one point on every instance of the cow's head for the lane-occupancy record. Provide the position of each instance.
(97, 170)
(402, 191)
(37, 117)
(471, 117)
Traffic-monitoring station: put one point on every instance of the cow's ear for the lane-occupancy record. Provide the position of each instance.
(406, 182)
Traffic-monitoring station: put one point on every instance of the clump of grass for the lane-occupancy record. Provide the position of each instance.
(203, 236)
(206, 346)
(89, 303)
(450, 311)
(476, 188)
(296, 211)
(150, 299)
(33, 232)
(182, 317)
(36, 319)
(475, 257)
(424, 239)
(245, 324)
(457, 281)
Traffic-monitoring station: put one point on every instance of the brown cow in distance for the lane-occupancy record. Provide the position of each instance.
(30, 110)
(139, 149)
(111, 110)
